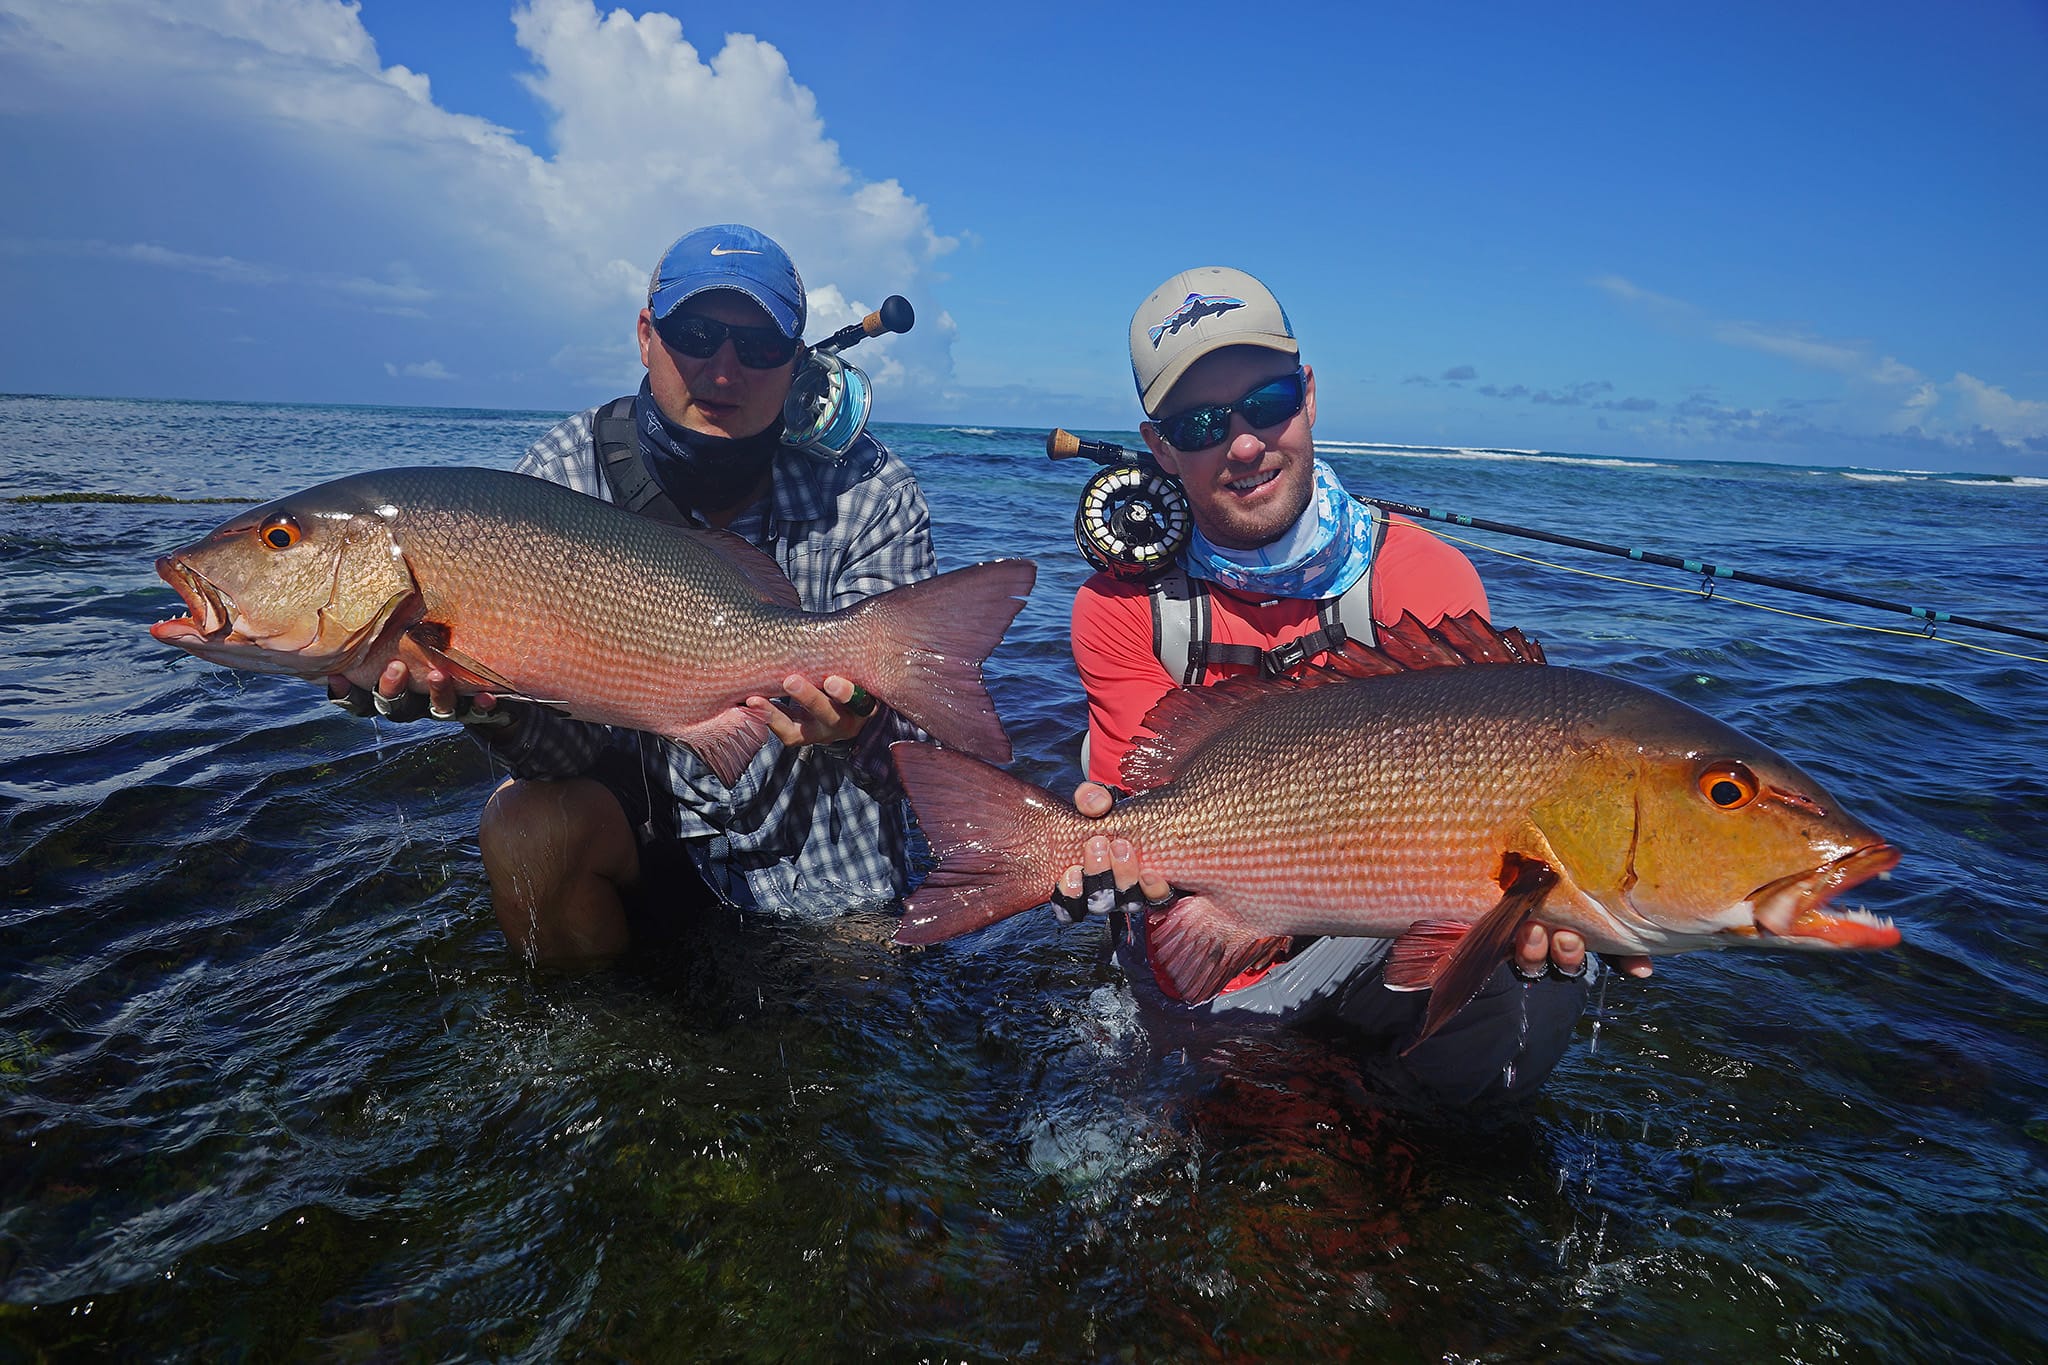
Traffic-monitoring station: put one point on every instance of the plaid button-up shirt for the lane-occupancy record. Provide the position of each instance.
(806, 831)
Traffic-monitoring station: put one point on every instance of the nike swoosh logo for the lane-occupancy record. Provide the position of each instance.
(732, 251)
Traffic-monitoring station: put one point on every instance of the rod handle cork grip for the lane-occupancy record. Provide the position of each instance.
(1061, 444)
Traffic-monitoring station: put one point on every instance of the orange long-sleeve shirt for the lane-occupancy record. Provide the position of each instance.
(1112, 631)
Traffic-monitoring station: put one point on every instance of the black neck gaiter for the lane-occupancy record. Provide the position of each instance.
(699, 472)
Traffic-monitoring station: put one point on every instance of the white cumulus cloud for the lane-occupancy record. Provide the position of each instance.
(325, 169)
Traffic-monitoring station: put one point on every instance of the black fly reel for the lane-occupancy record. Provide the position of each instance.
(1133, 521)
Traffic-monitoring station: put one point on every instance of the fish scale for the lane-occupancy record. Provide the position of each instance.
(691, 605)
(1399, 847)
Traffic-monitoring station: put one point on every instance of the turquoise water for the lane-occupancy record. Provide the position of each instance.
(270, 1083)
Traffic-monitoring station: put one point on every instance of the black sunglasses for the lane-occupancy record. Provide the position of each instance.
(1270, 404)
(699, 337)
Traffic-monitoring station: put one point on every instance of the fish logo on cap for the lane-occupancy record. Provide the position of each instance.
(1192, 310)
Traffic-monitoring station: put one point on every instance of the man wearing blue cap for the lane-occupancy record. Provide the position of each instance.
(599, 828)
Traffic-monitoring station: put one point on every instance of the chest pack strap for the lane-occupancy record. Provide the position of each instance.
(1183, 621)
(618, 456)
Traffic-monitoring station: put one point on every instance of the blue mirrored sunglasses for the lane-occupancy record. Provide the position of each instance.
(1268, 405)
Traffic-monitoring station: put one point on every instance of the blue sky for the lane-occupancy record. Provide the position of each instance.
(1805, 232)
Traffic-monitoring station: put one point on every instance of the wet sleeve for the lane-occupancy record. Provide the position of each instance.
(1112, 640)
(543, 745)
(1499, 1049)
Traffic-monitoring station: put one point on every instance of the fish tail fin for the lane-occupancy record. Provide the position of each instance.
(1196, 948)
(1454, 966)
(993, 835)
(936, 634)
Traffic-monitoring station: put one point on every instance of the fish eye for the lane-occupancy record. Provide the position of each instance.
(1729, 785)
(280, 533)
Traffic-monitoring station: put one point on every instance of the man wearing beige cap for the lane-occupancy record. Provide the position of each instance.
(1282, 566)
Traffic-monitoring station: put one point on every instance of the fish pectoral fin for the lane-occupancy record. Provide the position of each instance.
(727, 742)
(427, 644)
(1196, 948)
(1524, 882)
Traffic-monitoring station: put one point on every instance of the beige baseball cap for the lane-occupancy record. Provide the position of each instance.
(1194, 313)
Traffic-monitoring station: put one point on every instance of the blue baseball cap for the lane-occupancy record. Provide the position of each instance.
(730, 256)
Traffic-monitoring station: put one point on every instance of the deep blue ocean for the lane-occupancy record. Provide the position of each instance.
(272, 1086)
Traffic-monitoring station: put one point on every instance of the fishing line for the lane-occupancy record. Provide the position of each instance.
(1103, 539)
(1709, 594)
(1706, 570)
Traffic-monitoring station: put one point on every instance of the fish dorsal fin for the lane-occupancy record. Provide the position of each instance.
(1472, 636)
(1453, 641)
(1187, 718)
(763, 574)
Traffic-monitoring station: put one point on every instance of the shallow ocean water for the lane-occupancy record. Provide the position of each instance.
(271, 1084)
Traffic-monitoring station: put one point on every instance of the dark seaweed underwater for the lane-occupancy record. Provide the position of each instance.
(271, 1085)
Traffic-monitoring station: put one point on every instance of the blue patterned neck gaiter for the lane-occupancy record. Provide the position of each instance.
(1325, 551)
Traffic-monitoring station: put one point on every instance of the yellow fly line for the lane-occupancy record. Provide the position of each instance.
(1717, 595)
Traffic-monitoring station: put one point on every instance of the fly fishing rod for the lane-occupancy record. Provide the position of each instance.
(1156, 489)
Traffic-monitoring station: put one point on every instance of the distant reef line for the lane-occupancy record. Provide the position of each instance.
(117, 497)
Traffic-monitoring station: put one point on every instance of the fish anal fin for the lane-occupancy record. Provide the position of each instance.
(428, 644)
(727, 742)
(1524, 883)
(1196, 948)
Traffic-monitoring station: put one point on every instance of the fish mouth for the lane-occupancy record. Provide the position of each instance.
(210, 612)
(306, 645)
(1794, 908)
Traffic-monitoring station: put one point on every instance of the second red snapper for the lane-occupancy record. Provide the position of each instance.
(1443, 802)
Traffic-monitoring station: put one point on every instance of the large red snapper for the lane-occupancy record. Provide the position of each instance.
(1441, 806)
(521, 587)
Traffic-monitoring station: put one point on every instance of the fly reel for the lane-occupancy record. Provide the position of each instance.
(1132, 522)
(827, 407)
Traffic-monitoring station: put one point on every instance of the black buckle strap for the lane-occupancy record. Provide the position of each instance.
(1271, 663)
(1283, 657)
